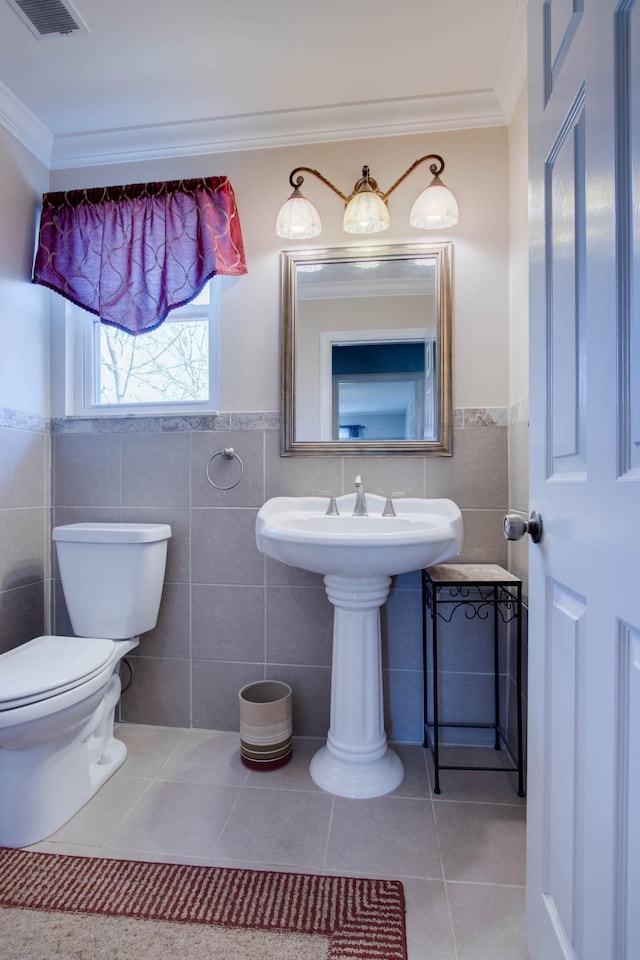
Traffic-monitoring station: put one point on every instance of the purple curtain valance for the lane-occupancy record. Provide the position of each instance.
(130, 254)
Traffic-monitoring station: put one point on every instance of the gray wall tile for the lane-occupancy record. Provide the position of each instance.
(229, 615)
(215, 692)
(249, 447)
(64, 515)
(407, 581)
(155, 469)
(160, 692)
(284, 575)
(476, 475)
(179, 546)
(518, 554)
(298, 476)
(385, 475)
(22, 615)
(401, 628)
(171, 637)
(468, 698)
(467, 639)
(519, 497)
(86, 470)
(480, 468)
(23, 473)
(484, 540)
(22, 557)
(311, 688)
(402, 692)
(519, 466)
(61, 622)
(25, 483)
(223, 547)
(299, 626)
(227, 622)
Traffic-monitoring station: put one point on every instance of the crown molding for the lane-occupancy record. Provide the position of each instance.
(356, 121)
(277, 129)
(513, 70)
(24, 126)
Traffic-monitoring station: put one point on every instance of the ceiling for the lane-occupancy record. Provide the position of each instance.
(154, 78)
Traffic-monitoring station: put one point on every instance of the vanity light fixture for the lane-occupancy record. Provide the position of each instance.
(366, 207)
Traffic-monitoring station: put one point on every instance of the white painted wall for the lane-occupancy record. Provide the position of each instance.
(24, 307)
(477, 172)
(519, 332)
(519, 254)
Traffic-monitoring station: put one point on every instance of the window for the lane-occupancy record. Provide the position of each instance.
(173, 368)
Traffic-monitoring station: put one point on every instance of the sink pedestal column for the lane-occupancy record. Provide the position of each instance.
(356, 761)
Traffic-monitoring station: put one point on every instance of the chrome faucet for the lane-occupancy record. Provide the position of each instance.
(332, 509)
(389, 510)
(360, 508)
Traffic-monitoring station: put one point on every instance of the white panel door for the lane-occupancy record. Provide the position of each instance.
(583, 842)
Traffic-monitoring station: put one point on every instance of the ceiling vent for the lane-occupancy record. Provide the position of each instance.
(49, 18)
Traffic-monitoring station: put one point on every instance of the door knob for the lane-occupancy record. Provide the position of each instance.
(515, 527)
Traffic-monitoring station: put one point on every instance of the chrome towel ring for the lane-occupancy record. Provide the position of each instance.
(229, 454)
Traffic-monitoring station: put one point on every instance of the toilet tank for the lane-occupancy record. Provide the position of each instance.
(112, 576)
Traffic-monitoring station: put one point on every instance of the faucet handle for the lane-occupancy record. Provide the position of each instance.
(332, 509)
(389, 510)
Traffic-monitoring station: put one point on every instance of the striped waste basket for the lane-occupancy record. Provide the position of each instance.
(265, 724)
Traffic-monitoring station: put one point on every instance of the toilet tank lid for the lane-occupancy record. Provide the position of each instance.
(112, 532)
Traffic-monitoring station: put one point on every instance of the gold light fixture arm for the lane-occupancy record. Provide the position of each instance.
(366, 208)
(435, 168)
(296, 184)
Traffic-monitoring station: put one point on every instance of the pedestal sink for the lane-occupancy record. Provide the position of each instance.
(358, 555)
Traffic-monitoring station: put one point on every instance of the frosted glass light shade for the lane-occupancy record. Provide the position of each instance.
(298, 218)
(435, 208)
(366, 213)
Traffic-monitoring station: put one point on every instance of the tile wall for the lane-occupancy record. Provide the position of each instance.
(24, 527)
(518, 550)
(229, 615)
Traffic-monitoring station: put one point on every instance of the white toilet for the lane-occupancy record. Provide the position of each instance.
(58, 694)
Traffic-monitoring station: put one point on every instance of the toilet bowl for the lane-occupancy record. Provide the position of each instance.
(58, 694)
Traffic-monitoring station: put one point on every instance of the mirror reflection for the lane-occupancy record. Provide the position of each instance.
(366, 350)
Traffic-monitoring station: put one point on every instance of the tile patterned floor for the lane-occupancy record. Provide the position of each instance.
(183, 795)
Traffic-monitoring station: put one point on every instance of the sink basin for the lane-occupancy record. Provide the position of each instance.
(358, 556)
(297, 531)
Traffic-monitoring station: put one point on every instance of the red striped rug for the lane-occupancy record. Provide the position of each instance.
(363, 918)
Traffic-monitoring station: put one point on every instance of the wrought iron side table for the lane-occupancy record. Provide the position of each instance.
(480, 588)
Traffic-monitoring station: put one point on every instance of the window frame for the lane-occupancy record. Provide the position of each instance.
(83, 360)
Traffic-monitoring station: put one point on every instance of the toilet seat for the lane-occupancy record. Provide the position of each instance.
(50, 665)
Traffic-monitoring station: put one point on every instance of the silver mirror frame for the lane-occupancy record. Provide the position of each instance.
(290, 260)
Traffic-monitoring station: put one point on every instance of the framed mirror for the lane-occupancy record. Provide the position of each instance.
(366, 350)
